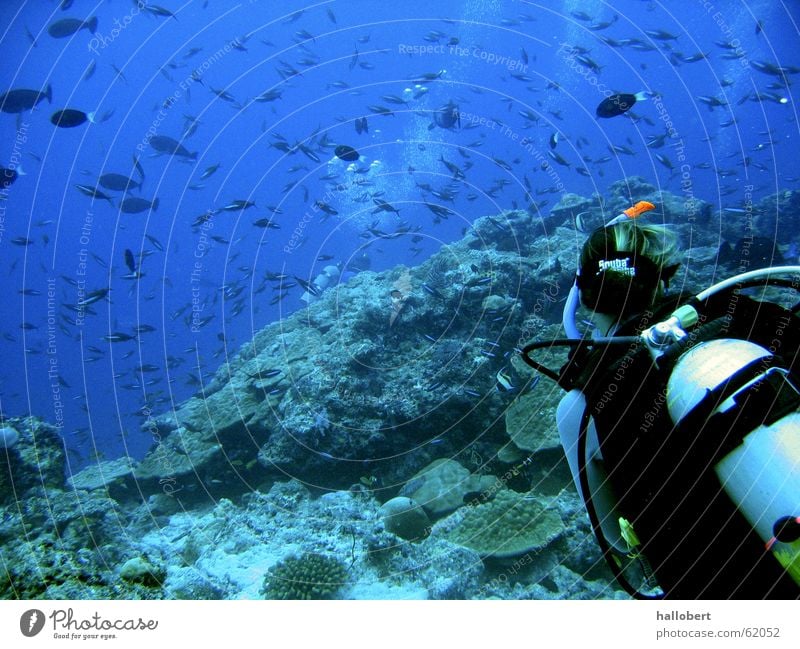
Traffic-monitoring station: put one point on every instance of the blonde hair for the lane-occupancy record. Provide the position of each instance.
(656, 242)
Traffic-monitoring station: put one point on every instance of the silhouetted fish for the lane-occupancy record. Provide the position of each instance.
(617, 104)
(68, 26)
(18, 101)
(70, 118)
(346, 153)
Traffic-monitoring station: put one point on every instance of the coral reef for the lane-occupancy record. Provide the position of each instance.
(309, 576)
(508, 525)
(398, 394)
(404, 517)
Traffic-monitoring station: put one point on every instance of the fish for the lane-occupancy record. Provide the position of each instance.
(380, 110)
(589, 63)
(9, 176)
(618, 104)
(711, 102)
(502, 164)
(618, 148)
(447, 117)
(394, 99)
(361, 125)
(118, 337)
(158, 11)
(309, 287)
(383, 206)
(278, 297)
(772, 69)
(20, 100)
(93, 192)
(30, 36)
(210, 171)
(326, 208)
(89, 70)
(134, 205)
(503, 381)
(440, 211)
(553, 140)
(453, 168)
(130, 262)
(266, 223)
(156, 243)
(431, 290)
(346, 153)
(664, 160)
(660, 35)
(428, 76)
(657, 141)
(308, 153)
(139, 168)
(237, 205)
(269, 95)
(580, 221)
(93, 296)
(117, 182)
(69, 26)
(558, 158)
(70, 118)
(165, 144)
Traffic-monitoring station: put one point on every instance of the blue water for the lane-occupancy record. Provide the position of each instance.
(62, 370)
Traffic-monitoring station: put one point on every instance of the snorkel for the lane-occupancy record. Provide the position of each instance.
(573, 298)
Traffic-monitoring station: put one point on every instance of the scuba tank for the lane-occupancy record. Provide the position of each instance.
(698, 423)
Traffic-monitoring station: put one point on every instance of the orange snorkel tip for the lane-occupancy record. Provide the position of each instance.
(637, 210)
(632, 212)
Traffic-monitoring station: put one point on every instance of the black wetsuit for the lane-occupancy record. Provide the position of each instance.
(697, 543)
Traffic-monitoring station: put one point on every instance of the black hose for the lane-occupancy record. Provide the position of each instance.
(568, 342)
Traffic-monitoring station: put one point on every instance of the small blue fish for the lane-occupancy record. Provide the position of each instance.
(429, 289)
(534, 382)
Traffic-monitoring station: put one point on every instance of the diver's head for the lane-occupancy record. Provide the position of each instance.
(624, 268)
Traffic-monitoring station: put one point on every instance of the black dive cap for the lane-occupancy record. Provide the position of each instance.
(619, 283)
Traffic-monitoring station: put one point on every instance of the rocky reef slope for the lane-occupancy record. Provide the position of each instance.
(387, 441)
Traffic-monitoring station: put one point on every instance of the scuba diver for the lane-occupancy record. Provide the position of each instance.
(681, 422)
